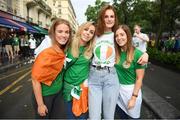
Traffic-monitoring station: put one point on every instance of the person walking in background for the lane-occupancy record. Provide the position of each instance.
(32, 45)
(77, 71)
(26, 47)
(8, 46)
(22, 46)
(177, 43)
(152, 41)
(140, 39)
(16, 45)
(47, 72)
(130, 74)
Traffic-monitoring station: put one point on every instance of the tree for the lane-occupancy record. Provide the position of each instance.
(92, 11)
(158, 16)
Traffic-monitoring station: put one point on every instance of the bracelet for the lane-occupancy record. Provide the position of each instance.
(134, 95)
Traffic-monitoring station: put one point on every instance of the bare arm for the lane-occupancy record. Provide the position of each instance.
(42, 109)
(137, 87)
(143, 59)
(144, 37)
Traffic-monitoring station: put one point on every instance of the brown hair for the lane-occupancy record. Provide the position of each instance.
(101, 22)
(52, 32)
(129, 46)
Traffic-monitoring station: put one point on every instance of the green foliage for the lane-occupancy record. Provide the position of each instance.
(165, 58)
(92, 11)
(156, 16)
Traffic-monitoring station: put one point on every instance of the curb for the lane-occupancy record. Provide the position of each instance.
(158, 105)
(12, 65)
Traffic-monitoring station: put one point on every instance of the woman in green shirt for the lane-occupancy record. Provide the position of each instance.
(77, 71)
(130, 74)
(47, 72)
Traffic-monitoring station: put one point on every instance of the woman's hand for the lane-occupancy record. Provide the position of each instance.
(143, 59)
(42, 110)
(131, 102)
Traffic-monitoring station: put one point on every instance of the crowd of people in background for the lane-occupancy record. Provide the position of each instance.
(15, 46)
(167, 43)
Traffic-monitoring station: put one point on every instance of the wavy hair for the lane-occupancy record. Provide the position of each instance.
(76, 42)
(101, 23)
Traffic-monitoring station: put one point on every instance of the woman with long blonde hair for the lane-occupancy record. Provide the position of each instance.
(77, 71)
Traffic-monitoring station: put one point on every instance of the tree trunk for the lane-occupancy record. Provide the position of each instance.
(161, 22)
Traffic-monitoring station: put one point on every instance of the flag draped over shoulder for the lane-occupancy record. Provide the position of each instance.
(48, 65)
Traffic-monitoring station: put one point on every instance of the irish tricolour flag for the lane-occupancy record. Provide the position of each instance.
(104, 52)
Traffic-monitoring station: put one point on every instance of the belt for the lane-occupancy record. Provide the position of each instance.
(101, 68)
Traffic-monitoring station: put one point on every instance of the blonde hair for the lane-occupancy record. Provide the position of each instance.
(130, 48)
(52, 32)
(76, 42)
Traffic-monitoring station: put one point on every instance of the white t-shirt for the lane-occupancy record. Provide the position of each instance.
(32, 43)
(139, 43)
(104, 51)
(44, 44)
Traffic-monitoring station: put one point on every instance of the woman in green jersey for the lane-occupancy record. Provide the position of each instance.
(130, 74)
(77, 70)
(47, 72)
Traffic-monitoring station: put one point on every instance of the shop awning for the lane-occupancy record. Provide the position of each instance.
(21, 26)
(5, 23)
(29, 27)
(41, 30)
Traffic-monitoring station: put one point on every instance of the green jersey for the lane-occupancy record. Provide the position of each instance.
(15, 41)
(77, 71)
(127, 73)
(55, 87)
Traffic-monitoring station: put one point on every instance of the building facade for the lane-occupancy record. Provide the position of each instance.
(63, 9)
(39, 12)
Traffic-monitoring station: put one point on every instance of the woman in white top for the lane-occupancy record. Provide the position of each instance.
(103, 80)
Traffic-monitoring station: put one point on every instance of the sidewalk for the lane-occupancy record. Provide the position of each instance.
(158, 105)
(6, 64)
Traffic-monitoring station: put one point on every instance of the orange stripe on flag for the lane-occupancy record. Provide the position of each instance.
(109, 52)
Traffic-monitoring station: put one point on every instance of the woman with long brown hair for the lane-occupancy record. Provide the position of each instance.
(47, 71)
(130, 74)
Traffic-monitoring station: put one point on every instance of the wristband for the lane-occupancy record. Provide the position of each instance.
(134, 95)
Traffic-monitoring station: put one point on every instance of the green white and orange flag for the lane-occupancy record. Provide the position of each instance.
(48, 65)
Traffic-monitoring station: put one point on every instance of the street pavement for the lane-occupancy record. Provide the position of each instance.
(17, 102)
(162, 92)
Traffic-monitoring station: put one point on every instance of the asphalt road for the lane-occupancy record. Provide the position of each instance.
(16, 91)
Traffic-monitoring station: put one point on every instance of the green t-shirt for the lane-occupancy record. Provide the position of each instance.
(15, 41)
(79, 70)
(55, 87)
(127, 74)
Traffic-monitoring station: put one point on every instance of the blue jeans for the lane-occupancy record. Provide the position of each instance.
(69, 113)
(103, 90)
